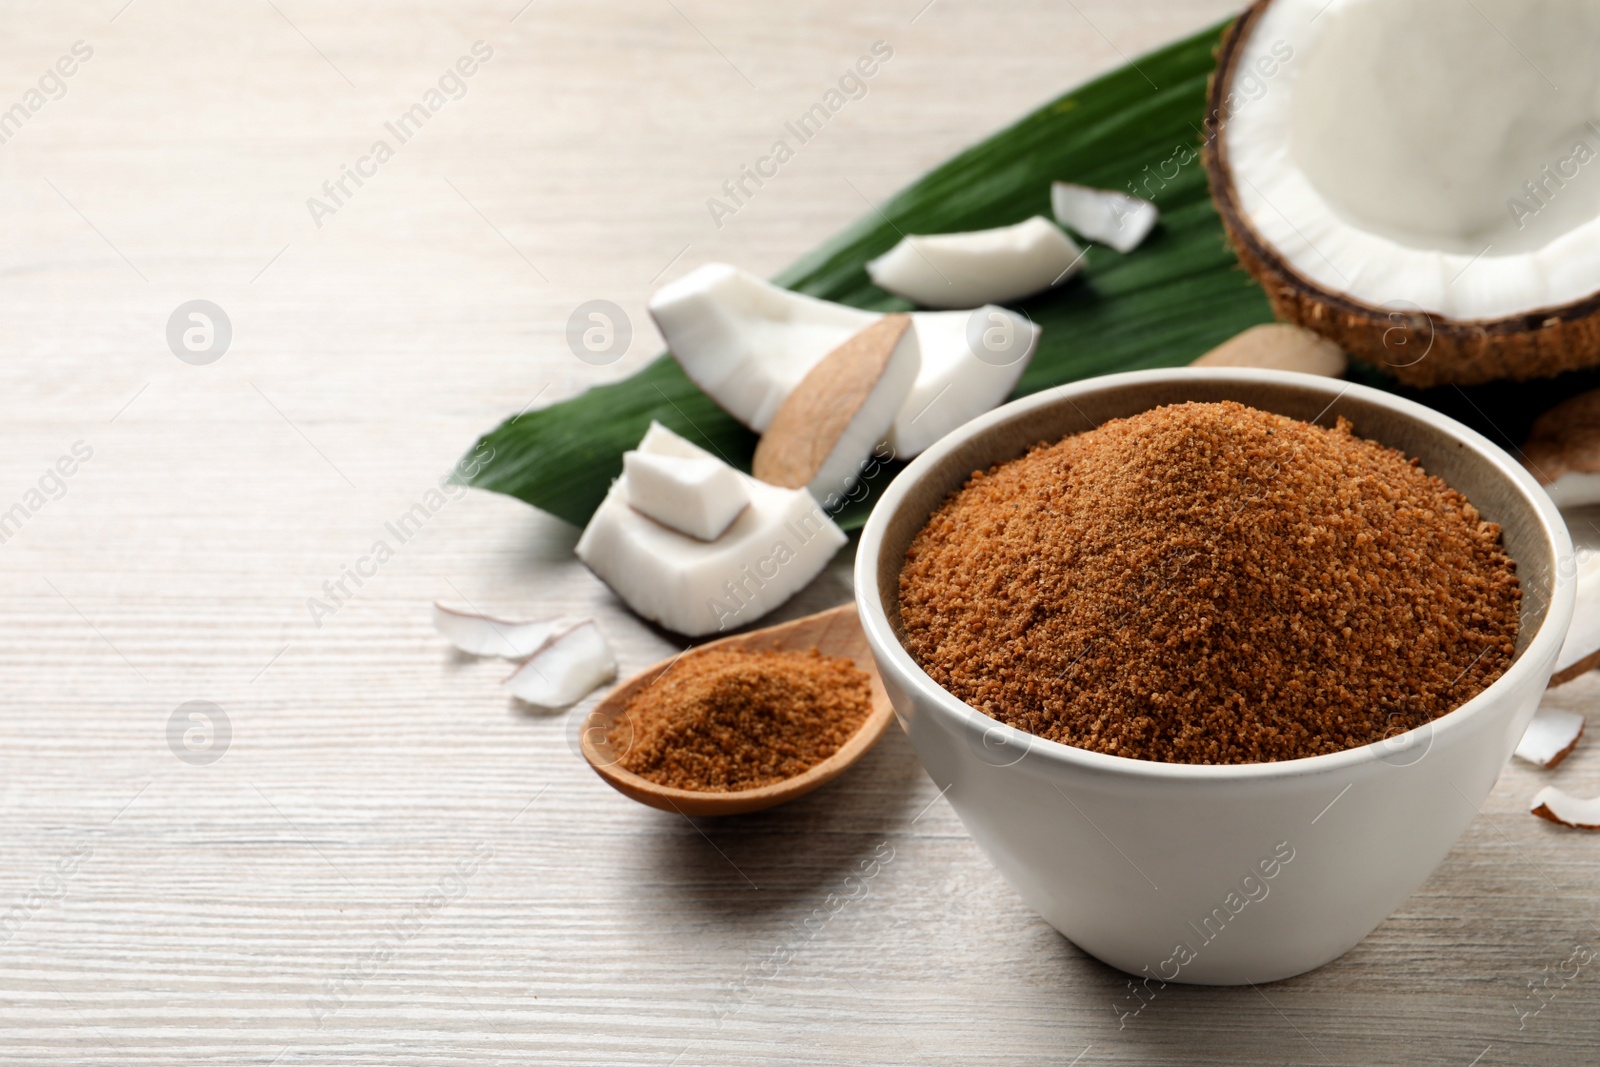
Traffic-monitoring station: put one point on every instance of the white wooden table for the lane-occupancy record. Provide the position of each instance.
(390, 863)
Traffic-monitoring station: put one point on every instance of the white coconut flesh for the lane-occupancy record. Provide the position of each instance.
(746, 342)
(1552, 734)
(1424, 154)
(971, 360)
(1583, 636)
(566, 669)
(775, 547)
(841, 387)
(1557, 805)
(698, 496)
(965, 270)
(483, 635)
(1105, 215)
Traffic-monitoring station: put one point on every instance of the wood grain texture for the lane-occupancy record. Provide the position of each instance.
(392, 863)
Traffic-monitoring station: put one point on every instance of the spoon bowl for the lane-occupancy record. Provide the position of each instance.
(836, 632)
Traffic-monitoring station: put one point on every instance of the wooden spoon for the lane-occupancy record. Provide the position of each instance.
(836, 632)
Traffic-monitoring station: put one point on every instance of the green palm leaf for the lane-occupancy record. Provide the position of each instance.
(1177, 295)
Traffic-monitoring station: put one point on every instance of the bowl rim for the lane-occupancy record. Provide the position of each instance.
(962, 717)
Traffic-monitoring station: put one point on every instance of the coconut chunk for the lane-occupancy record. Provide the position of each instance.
(825, 429)
(1562, 807)
(1580, 652)
(1279, 346)
(746, 342)
(771, 551)
(965, 270)
(484, 635)
(566, 669)
(1441, 251)
(1551, 735)
(1103, 215)
(1563, 451)
(660, 441)
(697, 496)
(971, 360)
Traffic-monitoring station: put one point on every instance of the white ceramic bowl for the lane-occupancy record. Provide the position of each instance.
(1220, 874)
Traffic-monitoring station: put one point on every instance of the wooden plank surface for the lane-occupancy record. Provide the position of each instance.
(390, 863)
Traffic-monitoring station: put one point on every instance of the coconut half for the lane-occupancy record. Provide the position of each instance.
(964, 270)
(1418, 180)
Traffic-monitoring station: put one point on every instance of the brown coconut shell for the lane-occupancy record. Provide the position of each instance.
(1416, 347)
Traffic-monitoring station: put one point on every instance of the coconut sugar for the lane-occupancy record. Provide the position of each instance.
(1209, 583)
(727, 720)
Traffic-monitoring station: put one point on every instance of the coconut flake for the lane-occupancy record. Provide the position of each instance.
(1562, 807)
(566, 669)
(1551, 735)
(485, 635)
(965, 270)
(1580, 652)
(698, 496)
(1103, 215)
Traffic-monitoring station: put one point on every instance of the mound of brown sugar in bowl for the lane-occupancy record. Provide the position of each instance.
(1209, 583)
(729, 720)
